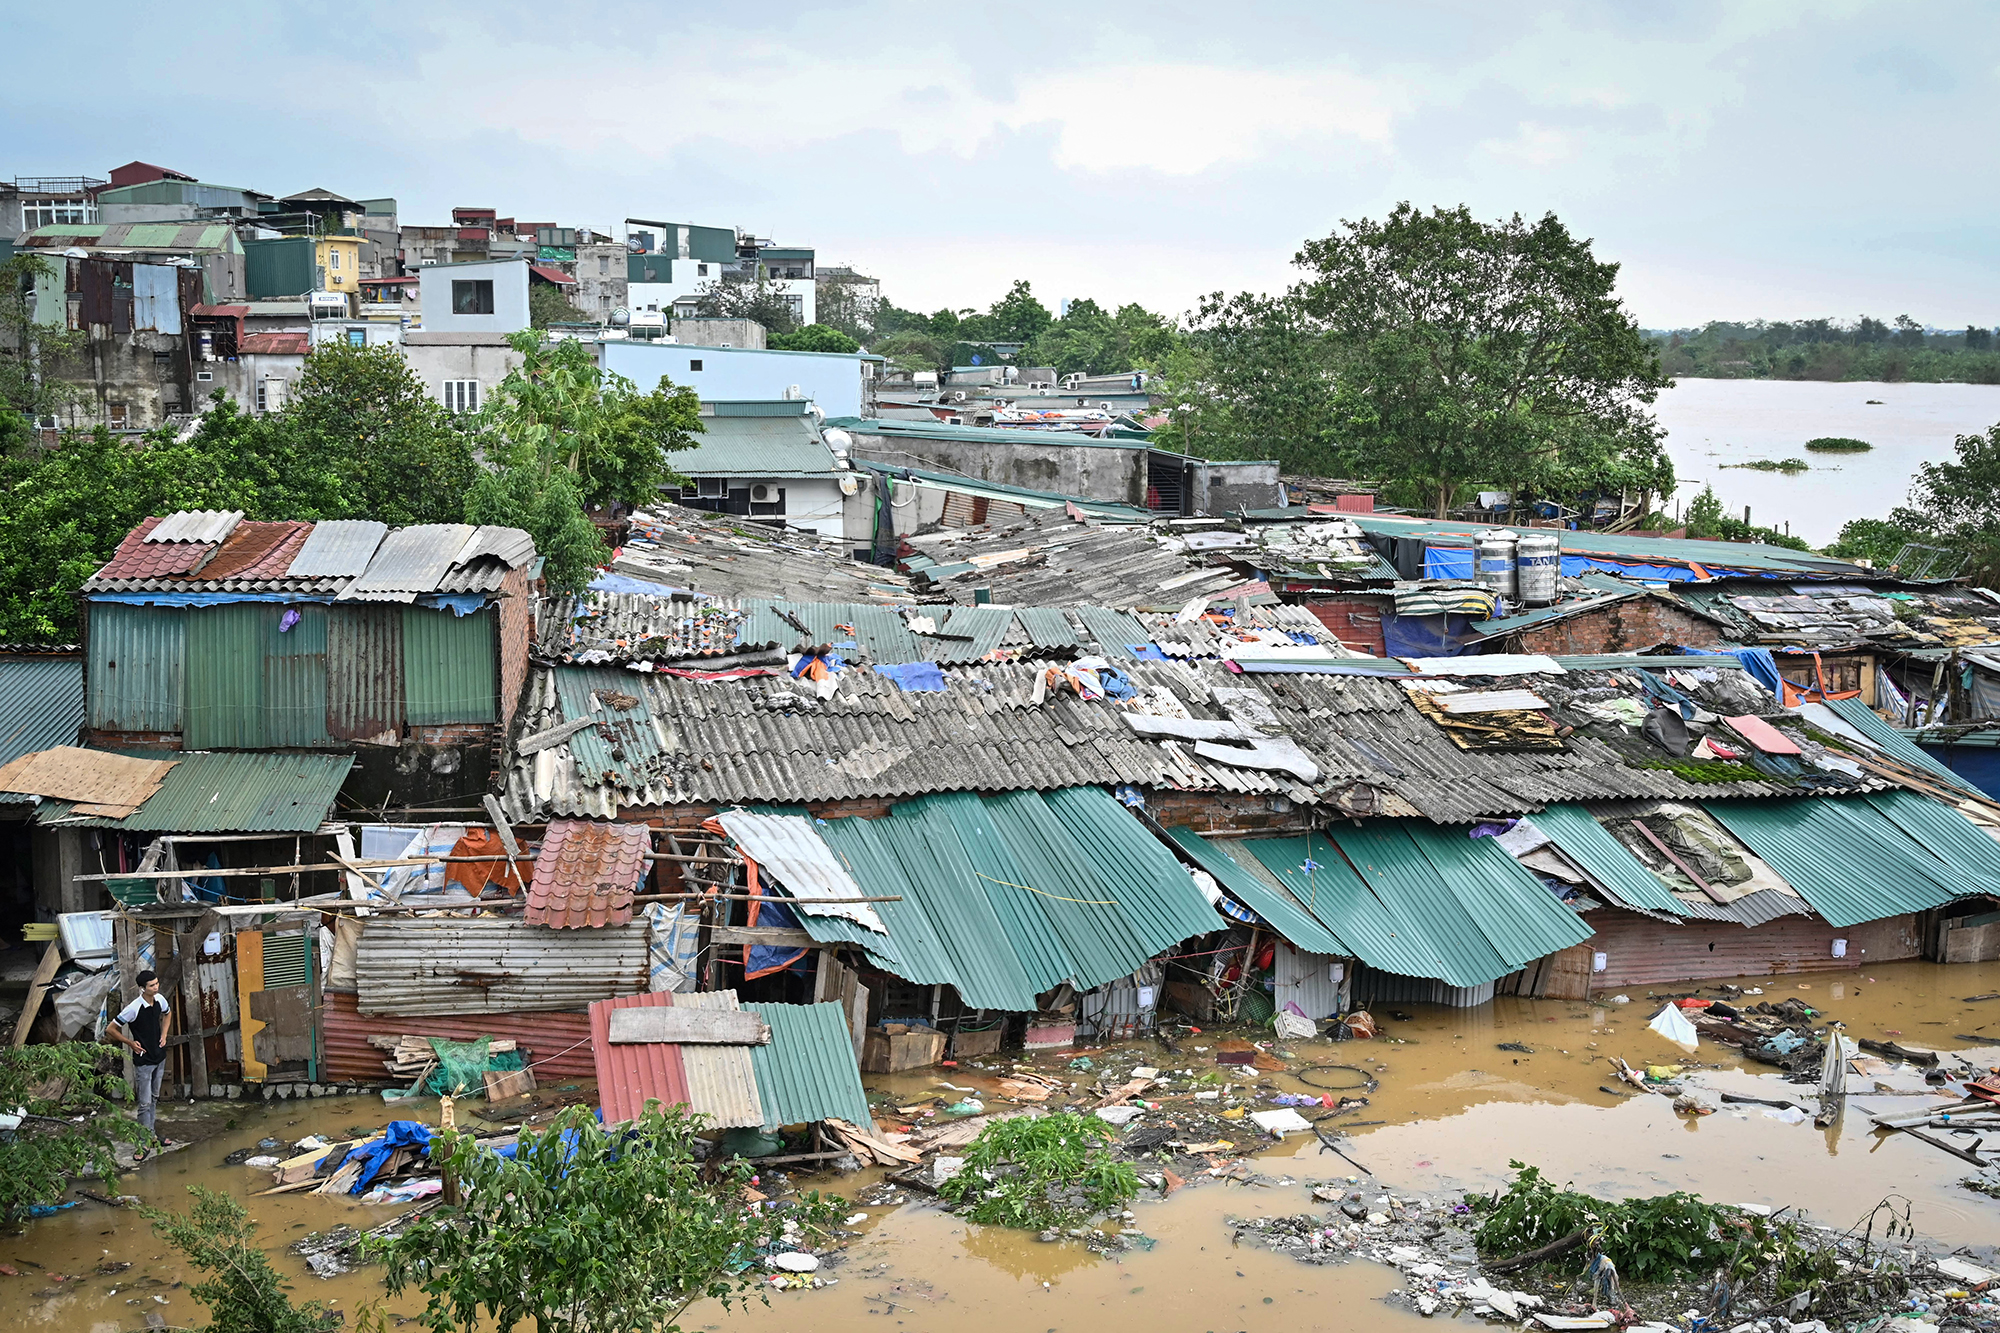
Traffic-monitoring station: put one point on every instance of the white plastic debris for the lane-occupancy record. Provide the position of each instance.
(1280, 1122)
(1672, 1024)
(855, 1220)
(945, 1168)
(796, 1262)
(1118, 1115)
(265, 1161)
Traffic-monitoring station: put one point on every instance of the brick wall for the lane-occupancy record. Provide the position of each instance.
(1623, 627)
(1355, 621)
(455, 733)
(132, 740)
(515, 629)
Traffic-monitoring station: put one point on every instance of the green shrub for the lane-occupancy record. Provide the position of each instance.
(1838, 444)
(1042, 1172)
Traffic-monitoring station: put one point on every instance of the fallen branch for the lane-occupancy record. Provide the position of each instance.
(1549, 1251)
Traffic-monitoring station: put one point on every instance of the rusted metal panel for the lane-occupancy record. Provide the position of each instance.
(364, 673)
(446, 966)
(517, 631)
(1642, 951)
(556, 1044)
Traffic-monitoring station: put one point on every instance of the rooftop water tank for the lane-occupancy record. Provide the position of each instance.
(1493, 558)
(1538, 566)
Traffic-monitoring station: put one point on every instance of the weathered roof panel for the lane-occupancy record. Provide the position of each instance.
(449, 965)
(338, 548)
(586, 874)
(230, 792)
(807, 1071)
(41, 706)
(195, 525)
(413, 560)
(1847, 858)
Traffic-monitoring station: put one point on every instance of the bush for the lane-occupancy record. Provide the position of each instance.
(1042, 1172)
(1838, 444)
(243, 1292)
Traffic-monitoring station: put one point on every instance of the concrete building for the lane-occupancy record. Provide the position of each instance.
(668, 264)
(714, 331)
(28, 202)
(477, 296)
(459, 370)
(841, 383)
(601, 284)
(174, 200)
(772, 461)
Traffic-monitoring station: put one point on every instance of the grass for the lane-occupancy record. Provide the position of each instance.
(1838, 444)
(1774, 464)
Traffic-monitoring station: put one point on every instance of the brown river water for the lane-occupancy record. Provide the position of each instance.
(1455, 1109)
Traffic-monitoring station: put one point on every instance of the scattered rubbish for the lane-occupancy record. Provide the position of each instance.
(1520, 1046)
(855, 1220)
(970, 1106)
(796, 1262)
(1117, 1115)
(263, 1161)
(1279, 1123)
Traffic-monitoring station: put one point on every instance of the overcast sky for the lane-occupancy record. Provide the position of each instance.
(1761, 159)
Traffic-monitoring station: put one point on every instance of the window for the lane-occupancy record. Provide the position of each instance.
(473, 297)
(461, 396)
(333, 259)
(357, 337)
(694, 365)
(204, 375)
(48, 212)
(603, 265)
(701, 270)
(711, 488)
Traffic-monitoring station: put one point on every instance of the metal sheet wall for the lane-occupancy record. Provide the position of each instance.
(558, 1044)
(252, 685)
(1642, 951)
(494, 967)
(136, 659)
(1305, 979)
(364, 673)
(295, 678)
(449, 670)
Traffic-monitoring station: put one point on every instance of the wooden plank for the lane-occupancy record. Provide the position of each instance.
(38, 986)
(124, 938)
(504, 1083)
(716, 1027)
(187, 956)
(772, 935)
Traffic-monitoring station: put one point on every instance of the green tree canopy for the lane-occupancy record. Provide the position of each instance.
(1468, 351)
(69, 1127)
(1957, 504)
(1257, 382)
(1090, 340)
(359, 418)
(548, 304)
(756, 299)
(812, 338)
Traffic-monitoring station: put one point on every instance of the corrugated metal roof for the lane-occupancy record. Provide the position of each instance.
(1944, 833)
(432, 965)
(1638, 549)
(807, 1072)
(1515, 911)
(1046, 626)
(196, 525)
(1891, 741)
(1848, 859)
(1278, 908)
(136, 663)
(787, 847)
(1372, 929)
(1116, 632)
(41, 706)
(255, 551)
(586, 874)
(413, 560)
(721, 1080)
(720, 555)
(1580, 836)
(338, 548)
(630, 1074)
(761, 446)
(229, 793)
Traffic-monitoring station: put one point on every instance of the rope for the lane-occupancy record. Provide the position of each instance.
(560, 1054)
(1091, 902)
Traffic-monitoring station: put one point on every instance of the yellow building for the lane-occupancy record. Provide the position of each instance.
(339, 261)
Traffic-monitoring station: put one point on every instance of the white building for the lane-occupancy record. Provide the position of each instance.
(480, 296)
(842, 383)
(771, 462)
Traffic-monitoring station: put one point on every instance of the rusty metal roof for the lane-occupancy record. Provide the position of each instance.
(274, 344)
(557, 1044)
(630, 1074)
(586, 873)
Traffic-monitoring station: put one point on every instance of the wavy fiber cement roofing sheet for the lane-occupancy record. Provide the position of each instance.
(1283, 914)
(1334, 893)
(1515, 911)
(807, 1071)
(1851, 867)
(1399, 872)
(722, 1082)
(338, 548)
(1580, 836)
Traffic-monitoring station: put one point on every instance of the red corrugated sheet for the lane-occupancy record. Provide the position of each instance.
(1761, 734)
(137, 558)
(631, 1074)
(558, 1044)
(274, 344)
(257, 550)
(551, 274)
(585, 873)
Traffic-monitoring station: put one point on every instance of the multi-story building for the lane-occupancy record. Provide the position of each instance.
(28, 202)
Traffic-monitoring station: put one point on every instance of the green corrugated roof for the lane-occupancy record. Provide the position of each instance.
(1153, 891)
(1515, 911)
(1116, 632)
(807, 1071)
(1845, 857)
(1893, 742)
(1399, 872)
(1279, 910)
(1639, 550)
(755, 446)
(230, 793)
(1591, 845)
(1374, 931)
(1944, 833)
(41, 706)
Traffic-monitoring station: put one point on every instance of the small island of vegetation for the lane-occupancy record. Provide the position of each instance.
(1838, 444)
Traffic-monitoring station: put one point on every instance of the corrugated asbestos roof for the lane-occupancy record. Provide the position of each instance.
(808, 1072)
(586, 873)
(719, 555)
(446, 965)
(41, 706)
(229, 792)
(1848, 858)
(211, 553)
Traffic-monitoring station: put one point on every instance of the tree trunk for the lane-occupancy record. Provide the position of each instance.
(1443, 500)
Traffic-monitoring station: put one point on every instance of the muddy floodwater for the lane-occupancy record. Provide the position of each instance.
(1452, 1108)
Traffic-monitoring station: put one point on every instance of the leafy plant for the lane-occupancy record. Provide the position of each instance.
(1651, 1240)
(68, 1128)
(609, 1230)
(1787, 465)
(1042, 1172)
(243, 1293)
(1838, 444)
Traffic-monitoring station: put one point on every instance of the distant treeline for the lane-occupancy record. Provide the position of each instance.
(1826, 349)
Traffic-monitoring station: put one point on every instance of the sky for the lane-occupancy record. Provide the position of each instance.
(1772, 159)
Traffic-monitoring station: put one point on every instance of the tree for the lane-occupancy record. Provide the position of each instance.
(559, 410)
(812, 338)
(549, 508)
(754, 299)
(1877, 540)
(838, 304)
(548, 304)
(1093, 341)
(1265, 360)
(243, 1293)
(1016, 317)
(29, 352)
(396, 454)
(63, 1093)
(1465, 348)
(1958, 503)
(610, 1231)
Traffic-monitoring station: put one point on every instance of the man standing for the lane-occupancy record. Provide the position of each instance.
(142, 1027)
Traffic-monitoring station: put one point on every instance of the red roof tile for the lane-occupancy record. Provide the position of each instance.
(274, 344)
(630, 1074)
(256, 551)
(552, 274)
(137, 558)
(586, 873)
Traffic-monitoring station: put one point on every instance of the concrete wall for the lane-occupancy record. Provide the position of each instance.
(600, 281)
(704, 332)
(437, 357)
(810, 502)
(510, 297)
(147, 374)
(1622, 627)
(1040, 462)
(1224, 488)
(837, 382)
(239, 378)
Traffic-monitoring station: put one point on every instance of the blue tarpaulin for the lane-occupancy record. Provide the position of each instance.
(1450, 562)
(914, 677)
(1575, 565)
(1425, 636)
(765, 959)
(374, 1154)
(620, 583)
(1757, 661)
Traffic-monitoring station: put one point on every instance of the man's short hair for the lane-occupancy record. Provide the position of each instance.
(147, 978)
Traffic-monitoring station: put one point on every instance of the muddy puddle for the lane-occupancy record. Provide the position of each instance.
(1453, 1107)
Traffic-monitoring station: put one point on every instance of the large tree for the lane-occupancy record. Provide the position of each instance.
(361, 414)
(1257, 383)
(1954, 504)
(1469, 351)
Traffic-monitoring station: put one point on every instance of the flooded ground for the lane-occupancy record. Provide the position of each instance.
(1452, 1108)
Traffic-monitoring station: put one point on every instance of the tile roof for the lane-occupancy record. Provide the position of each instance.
(256, 551)
(139, 558)
(586, 874)
(274, 344)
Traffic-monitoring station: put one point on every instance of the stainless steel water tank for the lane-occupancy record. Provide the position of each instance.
(1538, 565)
(1493, 557)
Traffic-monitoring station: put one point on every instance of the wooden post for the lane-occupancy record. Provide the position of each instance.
(122, 939)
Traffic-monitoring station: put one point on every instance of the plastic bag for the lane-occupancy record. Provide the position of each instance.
(1672, 1024)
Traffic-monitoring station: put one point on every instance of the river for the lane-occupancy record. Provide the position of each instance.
(1712, 423)
(1452, 1108)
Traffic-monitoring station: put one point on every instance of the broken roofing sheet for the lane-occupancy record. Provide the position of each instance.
(722, 556)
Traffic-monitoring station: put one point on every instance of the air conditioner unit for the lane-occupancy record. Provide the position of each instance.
(763, 493)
